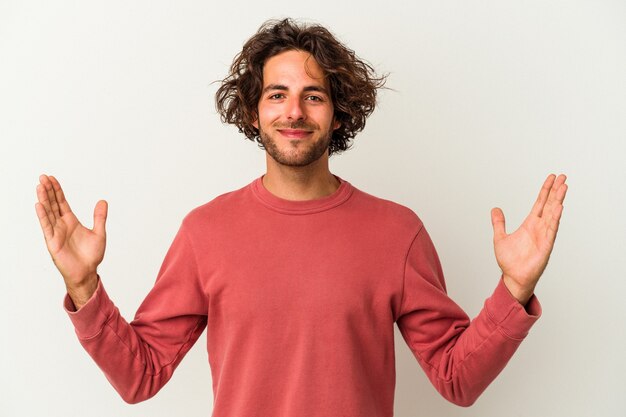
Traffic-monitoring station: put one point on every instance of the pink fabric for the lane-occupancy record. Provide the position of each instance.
(300, 299)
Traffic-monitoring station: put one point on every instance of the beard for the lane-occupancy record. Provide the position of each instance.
(298, 153)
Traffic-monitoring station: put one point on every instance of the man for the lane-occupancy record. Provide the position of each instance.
(299, 277)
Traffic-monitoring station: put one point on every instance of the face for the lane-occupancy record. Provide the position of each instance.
(295, 111)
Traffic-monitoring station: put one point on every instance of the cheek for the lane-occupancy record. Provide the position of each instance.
(267, 115)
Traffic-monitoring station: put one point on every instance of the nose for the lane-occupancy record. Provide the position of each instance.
(295, 110)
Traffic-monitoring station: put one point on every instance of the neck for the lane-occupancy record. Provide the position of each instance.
(300, 183)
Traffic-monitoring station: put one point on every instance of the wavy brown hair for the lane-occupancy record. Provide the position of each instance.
(353, 82)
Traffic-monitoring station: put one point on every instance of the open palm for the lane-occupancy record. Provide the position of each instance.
(523, 254)
(76, 251)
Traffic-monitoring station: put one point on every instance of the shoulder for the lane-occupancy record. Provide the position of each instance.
(219, 206)
(394, 213)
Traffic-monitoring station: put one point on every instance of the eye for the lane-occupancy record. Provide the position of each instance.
(315, 98)
(276, 96)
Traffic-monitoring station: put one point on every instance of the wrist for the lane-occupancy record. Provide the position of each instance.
(81, 293)
(520, 292)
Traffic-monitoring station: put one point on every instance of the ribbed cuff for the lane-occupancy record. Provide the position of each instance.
(89, 320)
(513, 319)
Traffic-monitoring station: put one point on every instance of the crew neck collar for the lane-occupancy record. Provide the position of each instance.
(341, 194)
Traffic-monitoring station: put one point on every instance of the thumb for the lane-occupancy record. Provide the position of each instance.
(497, 220)
(100, 217)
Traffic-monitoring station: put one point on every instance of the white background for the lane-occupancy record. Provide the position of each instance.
(116, 100)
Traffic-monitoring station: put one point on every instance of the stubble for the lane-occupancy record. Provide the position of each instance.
(299, 153)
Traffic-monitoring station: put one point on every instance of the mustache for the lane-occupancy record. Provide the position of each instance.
(298, 124)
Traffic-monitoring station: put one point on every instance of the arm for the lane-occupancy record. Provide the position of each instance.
(139, 357)
(462, 357)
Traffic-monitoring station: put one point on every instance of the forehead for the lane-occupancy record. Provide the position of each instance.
(293, 68)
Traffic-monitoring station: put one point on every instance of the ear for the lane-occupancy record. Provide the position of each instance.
(255, 122)
(336, 124)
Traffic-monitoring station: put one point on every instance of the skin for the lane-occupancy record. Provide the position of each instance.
(295, 118)
(523, 254)
(76, 251)
(296, 121)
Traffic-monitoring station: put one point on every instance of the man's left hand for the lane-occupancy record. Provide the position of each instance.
(523, 254)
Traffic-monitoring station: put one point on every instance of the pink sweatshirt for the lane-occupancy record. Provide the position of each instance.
(300, 300)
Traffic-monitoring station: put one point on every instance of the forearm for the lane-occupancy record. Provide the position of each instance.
(462, 358)
(489, 342)
(132, 358)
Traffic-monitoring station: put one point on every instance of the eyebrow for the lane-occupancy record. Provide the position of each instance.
(282, 87)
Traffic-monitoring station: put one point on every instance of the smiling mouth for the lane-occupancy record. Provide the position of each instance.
(294, 133)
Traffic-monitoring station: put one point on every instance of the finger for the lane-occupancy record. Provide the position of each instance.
(63, 204)
(560, 180)
(54, 205)
(498, 223)
(562, 189)
(537, 209)
(555, 198)
(557, 210)
(42, 196)
(553, 227)
(100, 217)
(44, 221)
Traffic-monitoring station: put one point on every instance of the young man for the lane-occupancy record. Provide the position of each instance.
(299, 276)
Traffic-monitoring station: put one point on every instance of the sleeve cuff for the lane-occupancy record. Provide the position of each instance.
(89, 320)
(513, 319)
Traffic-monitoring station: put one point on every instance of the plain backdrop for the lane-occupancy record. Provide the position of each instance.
(116, 98)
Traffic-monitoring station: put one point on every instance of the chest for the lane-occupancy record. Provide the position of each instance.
(303, 275)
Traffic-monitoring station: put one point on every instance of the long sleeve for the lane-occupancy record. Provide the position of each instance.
(300, 300)
(138, 358)
(461, 358)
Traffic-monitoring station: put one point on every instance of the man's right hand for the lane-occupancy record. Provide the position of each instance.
(76, 251)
